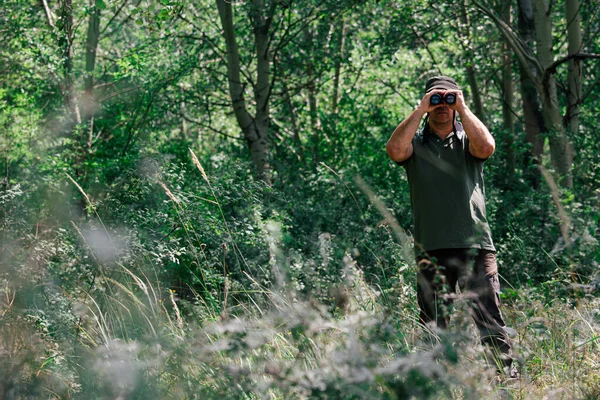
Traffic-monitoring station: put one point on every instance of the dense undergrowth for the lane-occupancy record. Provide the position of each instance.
(180, 282)
(131, 270)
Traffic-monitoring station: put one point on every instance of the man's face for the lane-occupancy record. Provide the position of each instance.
(441, 114)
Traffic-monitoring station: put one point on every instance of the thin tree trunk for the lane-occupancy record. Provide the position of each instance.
(293, 121)
(532, 115)
(6, 180)
(508, 95)
(262, 90)
(575, 66)
(561, 151)
(91, 49)
(338, 57)
(66, 42)
(471, 72)
(255, 129)
(313, 104)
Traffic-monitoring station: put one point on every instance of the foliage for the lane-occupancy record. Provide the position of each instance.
(142, 258)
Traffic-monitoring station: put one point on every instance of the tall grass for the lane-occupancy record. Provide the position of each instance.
(117, 332)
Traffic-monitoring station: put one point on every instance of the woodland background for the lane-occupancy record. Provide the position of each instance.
(196, 201)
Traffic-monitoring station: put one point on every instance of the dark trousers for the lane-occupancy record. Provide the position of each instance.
(476, 273)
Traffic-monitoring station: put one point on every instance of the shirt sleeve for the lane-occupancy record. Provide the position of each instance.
(471, 155)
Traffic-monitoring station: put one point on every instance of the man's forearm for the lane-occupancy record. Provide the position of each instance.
(482, 144)
(399, 146)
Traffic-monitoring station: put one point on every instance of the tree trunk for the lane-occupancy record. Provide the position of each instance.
(575, 66)
(471, 72)
(338, 57)
(262, 89)
(313, 105)
(532, 114)
(561, 151)
(540, 72)
(255, 129)
(508, 96)
(65, 25)
(292, 114)
(91, 48)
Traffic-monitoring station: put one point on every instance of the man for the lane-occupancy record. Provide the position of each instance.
(444, 164)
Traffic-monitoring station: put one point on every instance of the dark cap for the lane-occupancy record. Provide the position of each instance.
(440, 83)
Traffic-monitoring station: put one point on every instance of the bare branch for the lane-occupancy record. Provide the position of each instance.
(578, 56)
(287, 37)
(127, 18)
(113, 17)
(204, 37)
(208, 126)
(396, 91)
(426, 45)
(591, 88)
(49, 14)
(118, 93)
(551, 70)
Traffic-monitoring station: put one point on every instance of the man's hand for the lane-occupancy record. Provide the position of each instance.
(481, 142)
(460, 104)
(425, 106)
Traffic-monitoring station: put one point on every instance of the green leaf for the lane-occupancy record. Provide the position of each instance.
(163, 14)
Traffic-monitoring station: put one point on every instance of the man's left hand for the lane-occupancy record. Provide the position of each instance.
(459, 105)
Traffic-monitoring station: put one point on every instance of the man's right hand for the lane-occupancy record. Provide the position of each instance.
(425, 106)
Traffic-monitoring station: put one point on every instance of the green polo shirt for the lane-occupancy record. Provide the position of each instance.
(447, 193)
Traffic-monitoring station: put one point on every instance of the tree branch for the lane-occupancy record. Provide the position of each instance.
(578, 56)
(200, 123)
(426, 45)
(113, 17)
(49, 14)
(590, 90)
(515, 42)
(551, 70)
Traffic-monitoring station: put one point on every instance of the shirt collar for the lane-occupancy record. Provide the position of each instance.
(460, 132)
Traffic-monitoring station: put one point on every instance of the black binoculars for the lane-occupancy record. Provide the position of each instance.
(449, 98)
